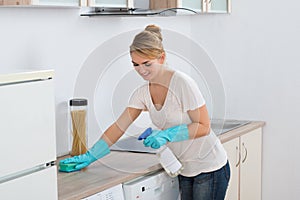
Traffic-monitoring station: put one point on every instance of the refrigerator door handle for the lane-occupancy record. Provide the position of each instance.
(26, 172)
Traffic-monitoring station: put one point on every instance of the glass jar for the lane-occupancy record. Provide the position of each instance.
(78, 127)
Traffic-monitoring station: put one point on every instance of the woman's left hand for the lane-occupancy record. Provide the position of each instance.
(159, 138)
(156, 139)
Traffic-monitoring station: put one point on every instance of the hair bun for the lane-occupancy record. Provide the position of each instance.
(154, 29)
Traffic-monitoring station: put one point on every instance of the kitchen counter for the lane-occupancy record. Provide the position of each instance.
(225, 137)
(119, 167)
(115, 168)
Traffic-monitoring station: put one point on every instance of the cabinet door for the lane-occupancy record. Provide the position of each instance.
(56, 2)
(194, 5)
(218, 6)
(250, 174)
(15, 2)
(233, 153)
(110, 3)
(41, 2)
(27, 128)
(162, 4)
(41, 185)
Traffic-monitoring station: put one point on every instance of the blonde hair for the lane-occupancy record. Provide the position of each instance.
(148, 43)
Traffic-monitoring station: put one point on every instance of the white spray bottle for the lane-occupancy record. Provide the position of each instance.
(165, 156)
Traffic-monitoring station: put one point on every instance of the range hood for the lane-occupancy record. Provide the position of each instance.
(106, 11)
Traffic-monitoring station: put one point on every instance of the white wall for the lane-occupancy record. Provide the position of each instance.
(254, 49)
(58, 38)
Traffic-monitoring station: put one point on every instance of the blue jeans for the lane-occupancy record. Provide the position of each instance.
(205, 186)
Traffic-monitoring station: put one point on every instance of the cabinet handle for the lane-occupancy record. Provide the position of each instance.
(246, 153)
(238, 163)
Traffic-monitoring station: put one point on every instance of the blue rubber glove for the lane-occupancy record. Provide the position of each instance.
(99, 150)
(159, 138)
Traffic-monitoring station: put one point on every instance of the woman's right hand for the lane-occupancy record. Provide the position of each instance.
(77, 162)
(99, 150)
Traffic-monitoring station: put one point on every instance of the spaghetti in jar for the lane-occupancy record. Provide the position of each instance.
(78, 127)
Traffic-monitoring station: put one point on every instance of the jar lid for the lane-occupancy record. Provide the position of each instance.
(78, 102)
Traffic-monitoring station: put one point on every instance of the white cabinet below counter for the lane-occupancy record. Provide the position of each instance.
(244, 155)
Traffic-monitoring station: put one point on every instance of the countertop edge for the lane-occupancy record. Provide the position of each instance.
(101, 188)
(225, 137)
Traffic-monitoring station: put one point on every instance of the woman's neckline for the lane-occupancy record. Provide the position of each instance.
(167, 95)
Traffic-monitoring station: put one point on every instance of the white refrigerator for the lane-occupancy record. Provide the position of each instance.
(27, 131)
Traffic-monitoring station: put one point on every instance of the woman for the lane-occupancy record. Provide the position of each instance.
(177, 108)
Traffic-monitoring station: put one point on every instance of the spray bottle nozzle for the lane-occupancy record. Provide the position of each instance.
(145, 134)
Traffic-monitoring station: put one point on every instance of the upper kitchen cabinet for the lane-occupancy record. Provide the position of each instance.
(207, 6)
(133, 7)
(41, 2)
(155, 7)
(203, 6)
(111, 3)
(163, 4)
(218, 6)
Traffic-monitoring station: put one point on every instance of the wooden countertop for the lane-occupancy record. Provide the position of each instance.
(113, 169)
(120, 167)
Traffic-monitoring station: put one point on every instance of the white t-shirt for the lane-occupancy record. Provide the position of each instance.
(203, 154)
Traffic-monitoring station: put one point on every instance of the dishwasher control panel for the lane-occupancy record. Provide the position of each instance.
(159, 186)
